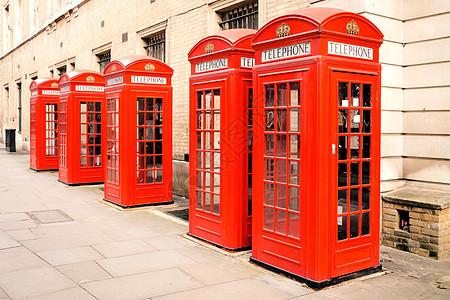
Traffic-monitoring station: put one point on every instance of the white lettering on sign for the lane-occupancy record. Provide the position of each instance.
(115, 80)
(148, 79)
(211, 65)
(89, 88)
(286, 51)
(65, 89)
(34, 93)
(50, 92)
(247, 62)
(350, 50)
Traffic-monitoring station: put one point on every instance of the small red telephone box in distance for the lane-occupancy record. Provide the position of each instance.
(44, 104)
(317, 153)
(81, 120)
(220, 142)
(138, 148)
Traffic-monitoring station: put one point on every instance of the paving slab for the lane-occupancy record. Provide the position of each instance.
(14, 225)
(168, 242)
(21, 234)
(7, 242)
(67, 241)
(143, 286)
(75, 293)
(124, 248)
(9, 217)
(84, 272)
(18, 258)
(69, 256)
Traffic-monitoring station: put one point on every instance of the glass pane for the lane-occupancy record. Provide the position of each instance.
(356, 87)
(216, 162)
(367, 95)
(208, 140)
(355, 120)
(158, 162)
(199, 160)
(140, 177)
(294, 225)
(365, 201)
(365, 223)
(208, 161)
(83, 128)
(294, 198)
(354, 226)
(158, 104)
(208, 120)
(281, 196)
(216, 99)
(269, 145)
(158, 119)
(281, 120)
(149, 176)
(207, 99)
(83, 106)
(281, 222)
(354, 200)
(216, 141)
(343, 123)
(158, 133)
(199, 140)
(269, 190)
(82, 118)
(294, 146)
(342, 147)
(294, 120)
(366, 147)
(366, 172)
(207, 202)
(270, 93)
(199, 200)
(216, 120)
(270, 119)
(269, 169)
(200, 180)
(354, 173)
(90, 106)
(149, 162)
(268, 218)
(98, 106)
(282, 94)
(159, 176)
(98, 117)
(149, 119)
(366, 121)
(294, 88)
(342, 202)
(216, 204)
(294, 172)
(342, 174)
(208, 182)
(281, 145)
(250, 98)
(216, 183)
(342, 228)
(83, 140)
(199, 100)
(199, 120)
(343, 94)
(149, 148)
(281, 171)
(98, 128)
(141, 119)
(354, 147)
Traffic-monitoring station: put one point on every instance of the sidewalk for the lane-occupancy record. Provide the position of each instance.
(64, 243)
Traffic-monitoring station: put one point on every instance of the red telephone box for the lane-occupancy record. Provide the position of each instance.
(44, 104)
(220, 142)
(317, 151)
(139, 132)
(81, 127)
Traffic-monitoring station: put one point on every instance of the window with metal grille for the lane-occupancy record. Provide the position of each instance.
(245, 16)
(103, 60)
(156, 46)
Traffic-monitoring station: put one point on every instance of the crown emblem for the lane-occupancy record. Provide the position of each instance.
(209, 48)
(113, 68)
(90, 78)
(149, 67)
(283, 30)
(54, 84)
(352, 28)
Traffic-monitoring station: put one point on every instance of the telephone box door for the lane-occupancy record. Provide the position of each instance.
(355, 164)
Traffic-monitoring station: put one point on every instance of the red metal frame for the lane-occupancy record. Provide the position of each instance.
(82, 127)
(44, 105)
(139, 108)
(220, 95)
(298, 226)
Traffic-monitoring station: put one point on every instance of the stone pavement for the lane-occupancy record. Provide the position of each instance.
(58, 242)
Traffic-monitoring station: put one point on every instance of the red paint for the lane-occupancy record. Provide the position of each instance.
(44, 105)
(296, 221)
(82, 124)
(138, 147)
(219, 207)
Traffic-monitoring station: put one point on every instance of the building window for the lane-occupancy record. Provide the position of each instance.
(103, 60)
(62, 70)
(156, 46)
(245, 16)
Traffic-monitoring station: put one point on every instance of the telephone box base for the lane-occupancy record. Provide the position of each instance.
(138, 205)
(45, 170)
(220, 246)
(318, 285)
(80, 183)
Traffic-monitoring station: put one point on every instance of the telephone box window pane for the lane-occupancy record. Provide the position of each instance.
(199, 140)
(294, 146)
(269, 193)
(294, 225)
(216, 162)
(269, 169)
(149, 176)
(158, 104)
(216, 120)
(294, 120)
(367, 95)
(268, 218)
(158, 133)
(343, 94)
(281, 196)
(281, 120)
(294, 197)
(208, 182)
(199, 160)
(294, 88)
(83, 140)
(342, 202)
(354, 179)
(281, 171)
(200, 180)
(159, 176)
(207, 99)
(141, 119)
(365, 223)
(270, 144)
(281, 222)
(83, 161)
(141, 160)
(365, 201)
(366, 121)
(148, 148)
(342, 228)
(216, 99)
(354, 147)
(343, 123)
(294, 172)
(356, 87)
(354, 200)
(158, 162)
(216, 204)
(200, 120)
(149, 133)
(83, 107)
(208, 161)
(282, 94)
(355, 120)
(342, 148)
(216, 141)
(365, 172)
(281, 145)
(199, 200)
(149, 106)
(366, 147)
(216, 181)
(141, 104)
(208, 140)
(83, 118)
(342, 174)
(270, 95)
(208, 120)
(149, 119)
(208, 202)
(270, 119)
(149, 162)
(158, 119)
(354, 226)
(199, 100)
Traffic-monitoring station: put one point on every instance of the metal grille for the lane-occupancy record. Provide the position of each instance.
(156, 46)
(245, 16)
(103, 60)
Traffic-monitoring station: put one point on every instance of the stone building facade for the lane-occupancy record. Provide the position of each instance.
(49, 37)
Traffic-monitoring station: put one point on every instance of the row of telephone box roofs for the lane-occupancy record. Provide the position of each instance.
(284, 135)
